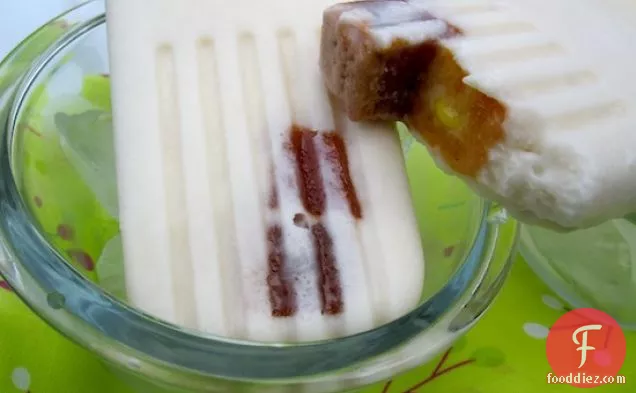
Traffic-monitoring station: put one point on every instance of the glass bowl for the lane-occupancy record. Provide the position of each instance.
(593, 267)
(59, 227)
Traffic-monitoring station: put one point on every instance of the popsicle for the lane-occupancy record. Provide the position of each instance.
(250, 206)
(532, 103)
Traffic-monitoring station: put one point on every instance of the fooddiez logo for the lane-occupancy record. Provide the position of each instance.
(585, 348)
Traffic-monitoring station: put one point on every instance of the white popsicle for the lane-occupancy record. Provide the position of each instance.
(248, 207)
(532, 103)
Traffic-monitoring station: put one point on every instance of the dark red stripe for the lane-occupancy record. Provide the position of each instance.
(339, 163)
(273, 193)
(328, 274)
(310, 187)
(281, 293)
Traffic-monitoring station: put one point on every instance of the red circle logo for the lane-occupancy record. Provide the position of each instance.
(585, 348)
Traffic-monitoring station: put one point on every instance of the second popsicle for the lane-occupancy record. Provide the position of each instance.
(525, 101)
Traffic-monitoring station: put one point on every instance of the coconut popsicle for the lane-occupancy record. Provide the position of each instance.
(527, 101)
(250, 206)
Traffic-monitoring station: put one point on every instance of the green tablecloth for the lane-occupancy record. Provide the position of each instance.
(504, 352)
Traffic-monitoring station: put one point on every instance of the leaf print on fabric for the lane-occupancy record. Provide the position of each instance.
(21, 379)
(536, 330)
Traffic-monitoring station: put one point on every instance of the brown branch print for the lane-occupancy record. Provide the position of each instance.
(440, 369)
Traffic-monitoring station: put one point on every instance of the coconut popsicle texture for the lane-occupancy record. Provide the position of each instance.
(250, 207)
(532, 103)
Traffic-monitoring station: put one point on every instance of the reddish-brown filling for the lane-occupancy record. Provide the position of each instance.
(404, 67)
(384, 81)
(273, 194)
(461, 122)
(312, 194)
(328, 275)
(424, 85)
(339, 163)
(306, 157)
(300, 220)
(310, 184)
(281, 293)
(282, 297)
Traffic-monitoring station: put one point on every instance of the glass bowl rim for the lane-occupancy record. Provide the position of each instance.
(35, 258)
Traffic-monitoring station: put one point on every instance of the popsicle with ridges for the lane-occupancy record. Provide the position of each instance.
(250, 206)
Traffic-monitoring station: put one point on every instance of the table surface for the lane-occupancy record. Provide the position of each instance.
(505, 352)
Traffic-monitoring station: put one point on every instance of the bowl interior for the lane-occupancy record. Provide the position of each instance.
(593, 267)
(64, 162)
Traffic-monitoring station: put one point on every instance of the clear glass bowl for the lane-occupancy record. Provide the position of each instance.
(594, 267)
(58, 222)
